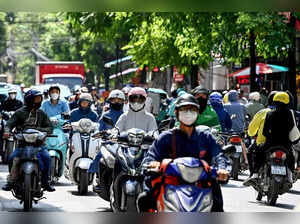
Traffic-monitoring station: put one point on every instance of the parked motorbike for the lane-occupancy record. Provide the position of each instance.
(27, 187)
(82, 151)
(183, 185)
(234, 151)
(9, 143)
(275, 178)
(57, 148)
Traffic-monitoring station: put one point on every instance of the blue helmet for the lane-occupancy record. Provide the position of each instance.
(30, 95)
(215, 97)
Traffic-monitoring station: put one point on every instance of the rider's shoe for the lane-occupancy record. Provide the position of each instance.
(7, 187)
(251, 180)
(97, 188)
(48, 187)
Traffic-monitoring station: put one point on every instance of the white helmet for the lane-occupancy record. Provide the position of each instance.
(116, 94)
(254, 96)
(12, 90)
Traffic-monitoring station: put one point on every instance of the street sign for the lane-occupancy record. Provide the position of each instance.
(176, 76)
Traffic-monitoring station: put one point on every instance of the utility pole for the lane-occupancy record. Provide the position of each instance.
(253, 76)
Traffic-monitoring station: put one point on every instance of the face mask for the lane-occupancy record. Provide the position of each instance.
(13, 96)
(137, 106)
(202, 103)
(188, 117)
(54, 96)
(116, 106)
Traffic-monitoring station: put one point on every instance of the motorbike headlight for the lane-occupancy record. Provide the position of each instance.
(190, 174)
(31, 138)
(86, 125)
(135, 140)
(54, 121)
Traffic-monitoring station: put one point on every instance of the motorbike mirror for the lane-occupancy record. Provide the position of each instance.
(123, 137)
(108, 121)
(164, 123)
(65, 116)
(148, 139)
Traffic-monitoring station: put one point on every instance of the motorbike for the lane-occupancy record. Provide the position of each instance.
(234, 151)
(183, 185)
(27, 187)
(296, 151)
(57, 148)
(82, 151)
(8, 144)
(108, 150)
(275, 178)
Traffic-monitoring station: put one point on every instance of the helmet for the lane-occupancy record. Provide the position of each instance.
(84, 90)
(254, 96)
(45, 91)
(54, 87)
(281, 97)
(12, 90)
(116, 94)
(271, 97)
(86, 96)
(225, 98)
(198, 90)
(126, 90)
(93, 88)
(30, 95)
(138, 91)
(22, 85)
(186, 99)
(76, 87)
(215, 97)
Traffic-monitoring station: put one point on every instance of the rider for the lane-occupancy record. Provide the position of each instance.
(137, 117)
(255, 128)
(254, 105)
(55, 106)
(74, 99)
(207, 116)
(11, 103)
(190, 141)
(30, 116)
(116, 99)
(215, 99)
(84, 110)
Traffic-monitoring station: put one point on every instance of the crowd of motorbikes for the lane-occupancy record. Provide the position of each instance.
(182, 184)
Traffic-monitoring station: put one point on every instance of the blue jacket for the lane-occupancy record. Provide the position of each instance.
(113, 114)
(223, 116)
(79, 113)
(200, 145)
(234, 107)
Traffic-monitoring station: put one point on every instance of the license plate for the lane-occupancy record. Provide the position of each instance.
(278, 170)
(238, 148)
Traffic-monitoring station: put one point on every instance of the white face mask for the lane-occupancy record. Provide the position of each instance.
(136, 106)
(188, 117)
(54, 96)
(13, 96)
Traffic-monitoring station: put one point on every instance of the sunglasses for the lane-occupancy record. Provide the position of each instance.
(137, 98)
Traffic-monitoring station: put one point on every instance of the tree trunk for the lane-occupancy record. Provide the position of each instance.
(194, 76)
(292, 61)
(253, 76)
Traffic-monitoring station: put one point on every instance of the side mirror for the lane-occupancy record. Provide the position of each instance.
(65, 116)
(164, 123)
(148, 139)
(108, 121)
(123, 137)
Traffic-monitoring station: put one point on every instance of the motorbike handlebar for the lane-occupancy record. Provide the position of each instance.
(52, 136)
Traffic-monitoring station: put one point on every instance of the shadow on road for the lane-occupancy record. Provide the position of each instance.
(278, 205)
(63, 184)
(294, 192)
(88, 194)
(232, 186)
(104, 209)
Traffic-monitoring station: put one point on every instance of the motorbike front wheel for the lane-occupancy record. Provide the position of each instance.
(83, 182)
(27, 193)
(273, 192)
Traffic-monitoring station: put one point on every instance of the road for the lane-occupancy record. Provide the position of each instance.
(237, 198)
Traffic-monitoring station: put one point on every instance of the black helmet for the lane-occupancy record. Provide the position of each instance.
(186, 99)
(54, 87)
(200, 89)
(30, 95)
(270, 98)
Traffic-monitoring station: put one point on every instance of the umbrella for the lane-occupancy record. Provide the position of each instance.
(261, 68)
(159, 91)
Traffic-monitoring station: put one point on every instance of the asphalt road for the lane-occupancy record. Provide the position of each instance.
(237, 198)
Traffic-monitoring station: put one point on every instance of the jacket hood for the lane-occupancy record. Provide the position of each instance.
(233, 96)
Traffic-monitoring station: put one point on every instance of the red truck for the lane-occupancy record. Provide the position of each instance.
(69, 73)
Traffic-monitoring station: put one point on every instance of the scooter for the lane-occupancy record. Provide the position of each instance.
(8, 144)
(27, 188)
(182, 185)
(57, 148)
(82, 151)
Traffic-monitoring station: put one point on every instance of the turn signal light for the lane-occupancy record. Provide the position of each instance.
(279, 155)
(235, 139)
